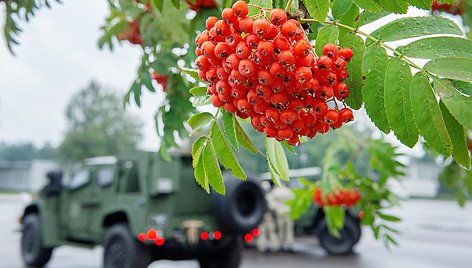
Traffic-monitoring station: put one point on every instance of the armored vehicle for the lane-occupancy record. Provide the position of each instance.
(141, 209)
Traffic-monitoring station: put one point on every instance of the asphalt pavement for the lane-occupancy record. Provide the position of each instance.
(434, 234)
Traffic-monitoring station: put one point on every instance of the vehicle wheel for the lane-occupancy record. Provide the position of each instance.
(242, 208)
(342, 245)
(228, 257)
(121, 250)
(33, 251)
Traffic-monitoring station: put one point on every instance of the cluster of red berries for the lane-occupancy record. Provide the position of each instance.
(454, 9)
(267, 70)
(132, 34)
(341, 197)
(160, 79)
(196, 5)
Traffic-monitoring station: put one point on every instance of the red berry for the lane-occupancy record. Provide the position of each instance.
(240, 9)
(270, 132)
(288, 116)
(331, 117)
(303, 75)
(285, 133)
(210, 22)
(266, 49)
(272, 114)
(243, 51)
(346, 115)
(247, 68)
(265, 78)
(230, 108)
(246, 25)
(232, 61)
(281, 43)
(222, 50)
(330, 50)
(260, 27)
(324, 62)
(278, 16)
(216, 101)
(346, 53)
(228, 15)
(289, 28)
(279, 99)
(302, 48)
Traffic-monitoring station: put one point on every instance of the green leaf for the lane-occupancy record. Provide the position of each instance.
(136, 89)
(456, 132)
(463, 87)
(459, 105)
(197, 162)
(198, 91)
(318, 9)
(243, 138)
(397, 6)
(327, 35)
(453, 68)
(367, 17)
(192, 72)
(212, 169)
(413, 27)
(438, 47)
(389, 217)
(158, 4)
(427, 115)
(225, 153)
(354, 68)
(197, 148)
(373, 68)
(369, 5)
(349, 18)
(229, 129)
(424, 4)
(288, 147)
(397, 102)
(276, 155)
(199, 120)
(201, 101)
(176, 3)
(334, 219)
(340, 7)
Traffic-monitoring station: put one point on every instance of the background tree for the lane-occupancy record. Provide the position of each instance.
(98, 125)
(26, 152)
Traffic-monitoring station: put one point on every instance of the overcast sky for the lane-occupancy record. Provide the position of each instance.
(57, 57)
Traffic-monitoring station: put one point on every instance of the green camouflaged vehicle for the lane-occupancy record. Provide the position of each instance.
(141, 209)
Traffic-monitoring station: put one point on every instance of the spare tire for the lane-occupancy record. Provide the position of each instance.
(242, 208)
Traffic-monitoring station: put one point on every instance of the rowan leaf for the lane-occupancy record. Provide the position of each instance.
(197, 162)
(373, 68)
(396, 6)
(212, 169)
(452, 68)
(318, 9)
(415, 26)
(243, 138)
(458, 104)
(424, 4)
(262, 3)
(327, 35)
(229, 129)
(367, 17)
(198, 91)
(354, 68)
(438, 47)
(197, 148)
(427, 115)
(225, 153)
(340, 7)
(369, 5)
(460, 153)
(397, 102)
(199, 120)
(276, 156)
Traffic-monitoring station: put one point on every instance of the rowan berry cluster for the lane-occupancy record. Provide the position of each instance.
(341, 197)
(160, 79)
(267, 70)
(132, 34)
(454, 9)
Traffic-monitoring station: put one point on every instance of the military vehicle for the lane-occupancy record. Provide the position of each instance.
(141, 209)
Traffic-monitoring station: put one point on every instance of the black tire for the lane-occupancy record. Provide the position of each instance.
(242, 208)
(33, 251)
(122, 251)
(343, 245)
(228, 257)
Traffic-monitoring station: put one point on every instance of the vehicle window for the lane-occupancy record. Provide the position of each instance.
(105, 176)
(79, 179)
(130, 180)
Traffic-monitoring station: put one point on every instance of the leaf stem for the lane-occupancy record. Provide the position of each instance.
(376, 41)
(287, 7)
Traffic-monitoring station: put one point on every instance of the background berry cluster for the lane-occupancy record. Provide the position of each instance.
(341, 197)
(266, 69)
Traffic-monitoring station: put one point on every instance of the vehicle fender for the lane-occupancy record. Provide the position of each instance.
(51, 233)
(119, 214)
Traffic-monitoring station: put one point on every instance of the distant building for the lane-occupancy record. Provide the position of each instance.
(27, 176)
